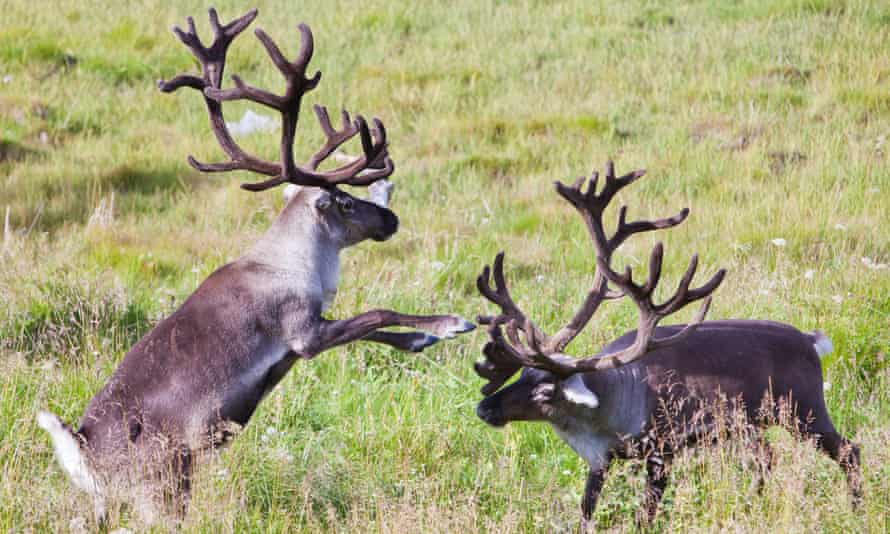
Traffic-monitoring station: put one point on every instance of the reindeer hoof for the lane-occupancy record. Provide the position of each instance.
(421, 343)
(459, 326)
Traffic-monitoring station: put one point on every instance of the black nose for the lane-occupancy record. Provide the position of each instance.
(390, 225)
(489, 415)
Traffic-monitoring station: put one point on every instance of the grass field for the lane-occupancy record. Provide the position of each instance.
(769, 119)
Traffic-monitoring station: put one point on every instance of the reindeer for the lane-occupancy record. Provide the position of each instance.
(199, 374)
(657, 389)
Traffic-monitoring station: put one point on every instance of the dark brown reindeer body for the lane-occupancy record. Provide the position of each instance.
(659, 388)
(201, 372)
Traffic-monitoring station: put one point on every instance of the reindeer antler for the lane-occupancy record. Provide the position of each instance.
(372, 165)
(506, 355)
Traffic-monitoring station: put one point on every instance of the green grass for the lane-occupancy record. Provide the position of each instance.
(486, 104)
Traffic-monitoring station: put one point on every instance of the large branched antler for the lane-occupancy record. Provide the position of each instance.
(372, 165)
(507, 354)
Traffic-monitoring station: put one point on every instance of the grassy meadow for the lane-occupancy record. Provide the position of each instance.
(768, 118)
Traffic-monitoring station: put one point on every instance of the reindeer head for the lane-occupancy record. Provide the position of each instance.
(520, 401)
(312, 193)
(346, 219)
(540, 355)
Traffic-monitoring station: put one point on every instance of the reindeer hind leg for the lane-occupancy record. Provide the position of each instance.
(847, 455)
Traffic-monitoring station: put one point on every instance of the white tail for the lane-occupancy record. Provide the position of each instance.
(68, 452)
(821, 343)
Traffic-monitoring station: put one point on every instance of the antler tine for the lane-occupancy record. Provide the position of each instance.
(214, 22)
(334, 138)
(373, 165)
(626, 229)
(655, 263)
(684, 295)
(483, 284)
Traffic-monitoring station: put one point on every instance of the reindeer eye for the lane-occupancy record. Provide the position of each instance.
(346, 205)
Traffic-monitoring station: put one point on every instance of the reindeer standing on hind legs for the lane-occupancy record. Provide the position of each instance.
(202, 371)
(651, 391)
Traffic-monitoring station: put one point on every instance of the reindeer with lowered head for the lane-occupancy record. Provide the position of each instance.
(653, 390)
(202, 371)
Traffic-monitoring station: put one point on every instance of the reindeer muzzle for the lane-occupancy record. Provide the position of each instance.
(492, 416)
(389, 227)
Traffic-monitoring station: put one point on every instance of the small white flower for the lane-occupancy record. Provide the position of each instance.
(264, 438)
(78, 524)
(840, 227)
(271, 431)
(7, 78)
(539, 278)
(837, 299)
(566, 472)
(809, 274)
(437, 265)
(222, 473)
(869, 263)
(826, 386)
(779, 242)
(532, 456)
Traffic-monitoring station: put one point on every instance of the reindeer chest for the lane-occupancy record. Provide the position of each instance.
(329, 276)
(587, 437)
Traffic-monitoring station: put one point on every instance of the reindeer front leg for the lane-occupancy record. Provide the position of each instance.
(329, 334)
(595, 478)
(657, 467)
(406, 341)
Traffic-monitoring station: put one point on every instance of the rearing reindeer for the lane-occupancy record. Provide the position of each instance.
(203, 370)
(653, 390)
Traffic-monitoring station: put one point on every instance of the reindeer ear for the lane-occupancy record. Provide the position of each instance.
(575, 391)
(324, 201)
(380, 192)
(290, 191)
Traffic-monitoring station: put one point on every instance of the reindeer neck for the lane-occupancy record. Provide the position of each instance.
(298, 247)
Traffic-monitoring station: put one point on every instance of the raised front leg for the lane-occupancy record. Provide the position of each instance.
(330, 334)
(407, 341)
(595, 479)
